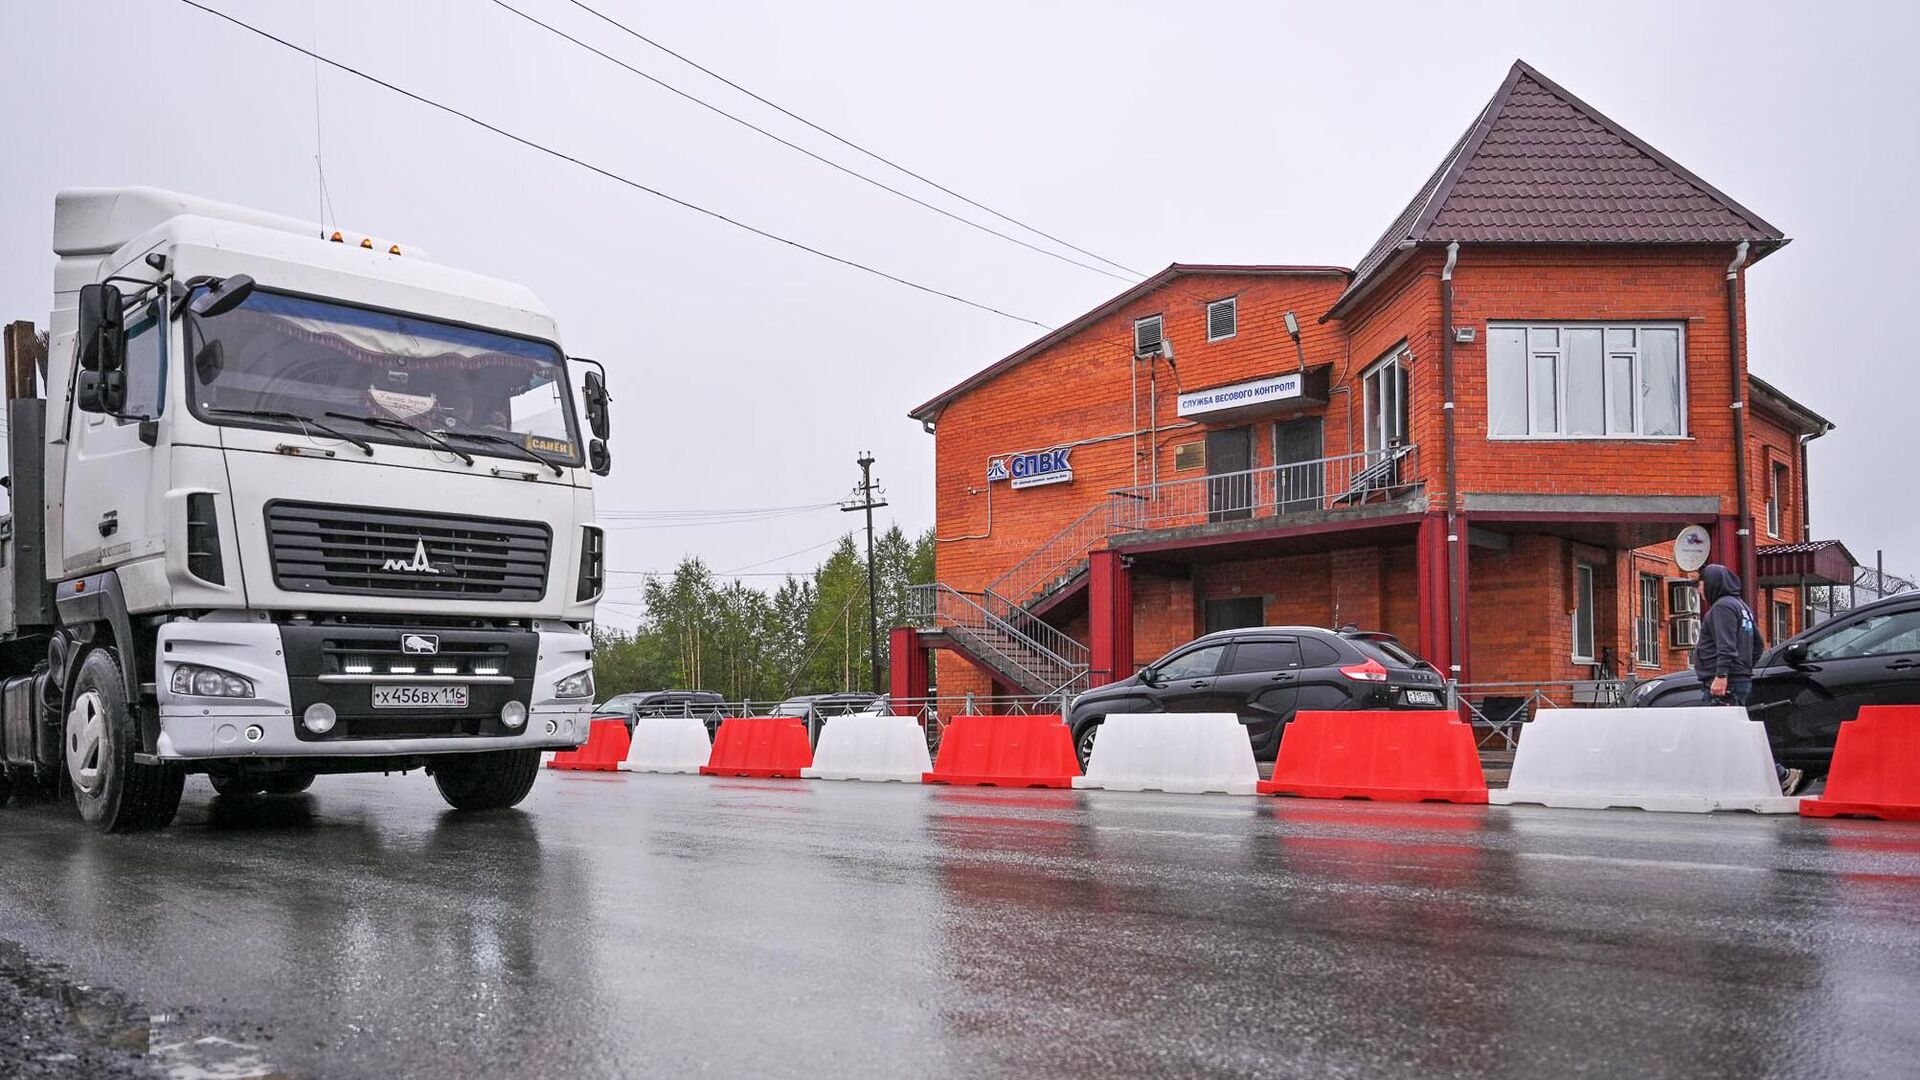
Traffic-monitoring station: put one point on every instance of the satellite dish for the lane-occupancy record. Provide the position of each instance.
(1691, 547)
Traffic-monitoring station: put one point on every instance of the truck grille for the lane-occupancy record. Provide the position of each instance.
(338, 549)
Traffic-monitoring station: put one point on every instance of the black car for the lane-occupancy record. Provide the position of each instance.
(1265, 675)
(1805, 687)
(705, 704)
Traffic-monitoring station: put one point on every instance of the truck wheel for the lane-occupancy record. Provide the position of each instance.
(113, 792)
(491, 781)
(287, 783)
(228, 787)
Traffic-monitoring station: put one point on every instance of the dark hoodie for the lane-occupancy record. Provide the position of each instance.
(1729, 639)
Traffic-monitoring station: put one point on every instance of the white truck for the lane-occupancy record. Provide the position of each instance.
(292, 502)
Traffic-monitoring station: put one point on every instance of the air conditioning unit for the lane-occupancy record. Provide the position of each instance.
(1684, 633)
(1683, 597)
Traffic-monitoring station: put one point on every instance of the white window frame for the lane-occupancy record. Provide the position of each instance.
(1607, 353)
(1160, 334)
(1776, 508)
(1647, 639)
(1233, 305)
(1782, 613)
(1370, 386)
(1592, 575)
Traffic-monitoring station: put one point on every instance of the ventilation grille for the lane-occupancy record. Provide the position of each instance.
(203, 540)
(1223, 319)
(1146, 335)
(338, 549)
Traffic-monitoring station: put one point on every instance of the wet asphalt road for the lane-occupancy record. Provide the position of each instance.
(648, 925)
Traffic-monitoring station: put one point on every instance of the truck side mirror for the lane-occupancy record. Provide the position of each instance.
(225, 295)
(103, 328)
(102, 346)
(599, 459)
(597, 399)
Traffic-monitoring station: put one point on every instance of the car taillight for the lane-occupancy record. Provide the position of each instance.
(1371, 671)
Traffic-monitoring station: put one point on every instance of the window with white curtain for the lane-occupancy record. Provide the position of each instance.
(1586, 380)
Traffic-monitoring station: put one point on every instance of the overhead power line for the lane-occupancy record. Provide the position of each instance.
(829, 162)
(608, 173)
(842, 140)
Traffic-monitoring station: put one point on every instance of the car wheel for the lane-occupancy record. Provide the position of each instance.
(1083, 744)
(113, 792)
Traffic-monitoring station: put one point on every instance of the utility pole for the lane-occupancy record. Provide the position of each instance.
(866, 492)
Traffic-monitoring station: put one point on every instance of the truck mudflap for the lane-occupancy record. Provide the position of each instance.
(313, 689)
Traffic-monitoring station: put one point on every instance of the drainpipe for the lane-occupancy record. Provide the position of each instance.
(1456, 603)
(1743, 523)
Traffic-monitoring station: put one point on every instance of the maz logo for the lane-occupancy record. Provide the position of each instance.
(419, 564)
(420, 644)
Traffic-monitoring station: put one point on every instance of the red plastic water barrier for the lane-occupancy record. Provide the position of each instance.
(606, 747)
(764, 746)
(1876, 767)
(1390, 756)
(1005, 751)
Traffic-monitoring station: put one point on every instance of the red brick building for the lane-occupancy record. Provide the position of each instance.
(1483, 438)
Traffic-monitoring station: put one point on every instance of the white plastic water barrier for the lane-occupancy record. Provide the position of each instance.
(869, 747)
(1187, 753)
(1690, 760)
(668, 744)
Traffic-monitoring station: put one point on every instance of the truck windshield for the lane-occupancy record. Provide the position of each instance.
(291, 355)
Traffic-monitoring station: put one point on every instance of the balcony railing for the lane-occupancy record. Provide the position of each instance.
(1301, 487)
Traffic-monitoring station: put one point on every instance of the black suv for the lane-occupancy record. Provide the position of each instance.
(1805, 687)
(1265, 675)
(704, 704)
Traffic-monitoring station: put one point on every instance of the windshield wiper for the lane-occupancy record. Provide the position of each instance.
(402, 425)
(501, 440)
(298, 418)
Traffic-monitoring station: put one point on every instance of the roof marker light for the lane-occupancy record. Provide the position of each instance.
(337, 238)
(394, 250)
(367, 242)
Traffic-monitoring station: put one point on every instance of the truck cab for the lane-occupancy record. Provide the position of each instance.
(308, 502)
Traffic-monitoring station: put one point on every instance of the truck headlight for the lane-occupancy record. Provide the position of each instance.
(577, 685)
(194, 680)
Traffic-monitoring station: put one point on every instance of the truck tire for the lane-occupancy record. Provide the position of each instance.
(114, 793)
(230, 787)
(490, 781)
(287, 783)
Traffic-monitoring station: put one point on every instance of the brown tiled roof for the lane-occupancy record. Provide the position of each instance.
(1541, 166)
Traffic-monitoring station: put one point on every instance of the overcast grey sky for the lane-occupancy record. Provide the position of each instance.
(749, 374)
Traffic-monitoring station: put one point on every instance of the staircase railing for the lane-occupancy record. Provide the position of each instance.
(1055, 562)
(1042, 658)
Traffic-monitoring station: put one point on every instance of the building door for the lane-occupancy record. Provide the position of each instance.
(1299, 476)
(1229, 483)
(1235, 613)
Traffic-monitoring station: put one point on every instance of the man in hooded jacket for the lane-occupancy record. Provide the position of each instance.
(1729, 639)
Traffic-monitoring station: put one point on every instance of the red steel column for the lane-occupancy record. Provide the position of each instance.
(1109, 618)
(1463, 551)
(907, 670)
(1430, 559)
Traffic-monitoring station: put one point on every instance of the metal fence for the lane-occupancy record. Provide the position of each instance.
(1499, 710)
(934, 713)
(1329, 483)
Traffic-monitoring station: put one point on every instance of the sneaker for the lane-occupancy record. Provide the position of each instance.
(1791, 780)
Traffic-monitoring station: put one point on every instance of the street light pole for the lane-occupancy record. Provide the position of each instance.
(867, 503)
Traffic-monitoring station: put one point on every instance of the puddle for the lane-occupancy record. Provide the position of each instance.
(67, 1027)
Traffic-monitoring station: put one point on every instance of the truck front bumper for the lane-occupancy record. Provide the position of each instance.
(268, 725)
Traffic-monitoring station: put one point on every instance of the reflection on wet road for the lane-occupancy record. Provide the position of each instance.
(631, 925)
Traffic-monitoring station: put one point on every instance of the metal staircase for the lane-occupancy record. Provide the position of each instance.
(1023, 650)
(1056, 564)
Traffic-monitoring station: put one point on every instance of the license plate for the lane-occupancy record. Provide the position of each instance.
(404, 696)
(1422, 697)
